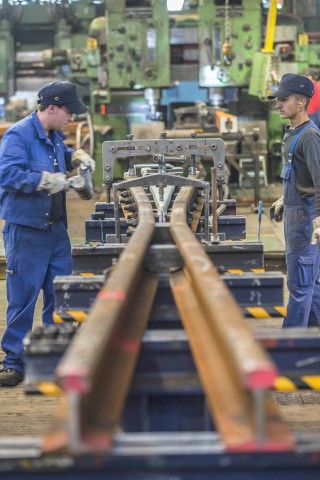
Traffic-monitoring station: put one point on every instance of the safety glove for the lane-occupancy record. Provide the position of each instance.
(80, 157)
(276, 210)
(316, 231)
(53, 182)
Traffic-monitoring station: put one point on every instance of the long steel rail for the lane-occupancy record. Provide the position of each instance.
(97, 369)
(235, 371)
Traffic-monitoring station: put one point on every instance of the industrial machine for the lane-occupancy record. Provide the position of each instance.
(229, 34)
(163, 377)
(137, 64)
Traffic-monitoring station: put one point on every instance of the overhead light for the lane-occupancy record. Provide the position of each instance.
(174, 5)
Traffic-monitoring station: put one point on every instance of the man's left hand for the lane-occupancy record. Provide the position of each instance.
(316, 231)
(80, 157)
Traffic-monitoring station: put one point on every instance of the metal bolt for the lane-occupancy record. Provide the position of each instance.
(107, 167)
(213, 147)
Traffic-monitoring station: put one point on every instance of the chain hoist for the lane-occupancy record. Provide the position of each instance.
(227, 46)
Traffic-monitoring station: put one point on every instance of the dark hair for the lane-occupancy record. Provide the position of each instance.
(300, 97)
(42, 108)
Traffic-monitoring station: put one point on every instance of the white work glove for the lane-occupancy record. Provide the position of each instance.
(53, 182)
(316, 231)
(80, 157)
(276, 210)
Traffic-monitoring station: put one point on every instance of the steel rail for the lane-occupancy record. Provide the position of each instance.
(96, 371)
(233, 367)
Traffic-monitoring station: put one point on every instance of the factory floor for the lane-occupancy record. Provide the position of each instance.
(25, 415)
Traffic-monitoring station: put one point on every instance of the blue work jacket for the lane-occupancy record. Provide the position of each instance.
(25, 152)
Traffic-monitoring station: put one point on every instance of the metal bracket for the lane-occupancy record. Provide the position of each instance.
(192, 149)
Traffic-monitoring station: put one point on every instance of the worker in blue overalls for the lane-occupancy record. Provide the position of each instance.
(33, 163)
(300, 203)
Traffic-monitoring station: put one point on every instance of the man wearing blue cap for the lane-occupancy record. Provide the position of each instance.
(301, 200)
(33, 164)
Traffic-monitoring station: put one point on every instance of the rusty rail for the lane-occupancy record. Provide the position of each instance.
(96, 371)
(233, 367)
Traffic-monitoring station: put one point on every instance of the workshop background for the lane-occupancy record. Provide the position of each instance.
(143, 70)
(149, 70)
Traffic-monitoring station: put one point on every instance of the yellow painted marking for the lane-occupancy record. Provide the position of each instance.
(78, 315)
(258, 312)
(254, 270)
(312, 380)
(283, 383)
(49, 389)
(57, 318)
(282, 310)
(86, 274)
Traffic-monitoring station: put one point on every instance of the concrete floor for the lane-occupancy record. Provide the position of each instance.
(25, 415)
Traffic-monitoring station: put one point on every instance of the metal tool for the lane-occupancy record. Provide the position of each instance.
(82, 183)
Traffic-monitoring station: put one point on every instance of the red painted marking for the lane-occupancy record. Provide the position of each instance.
(261, 378)
(116, 294)
(96, 441)
(73, 378)
(129, 346)
(75, 383)
(267, 446)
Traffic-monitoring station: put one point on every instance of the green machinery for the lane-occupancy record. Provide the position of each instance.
(118, 46)
(229, 34)
(138, 44)
(117, 50)
(127, 50)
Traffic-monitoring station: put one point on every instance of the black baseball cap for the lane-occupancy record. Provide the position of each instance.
(292, 83)
(61, 93)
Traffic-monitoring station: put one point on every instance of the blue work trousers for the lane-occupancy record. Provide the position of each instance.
(302, 258)
(34, 257)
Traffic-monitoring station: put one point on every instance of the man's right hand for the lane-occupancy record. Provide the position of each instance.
(53, 182)
(276, 210)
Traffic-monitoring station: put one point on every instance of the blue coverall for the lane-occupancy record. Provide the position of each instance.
(36, 250)
(302, 258)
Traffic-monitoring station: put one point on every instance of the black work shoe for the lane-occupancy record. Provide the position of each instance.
(9, 377)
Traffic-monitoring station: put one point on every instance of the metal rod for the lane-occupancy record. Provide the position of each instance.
(260, 414)
(97, 367)
(221, 209)
(215, 237)
(254, 366)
